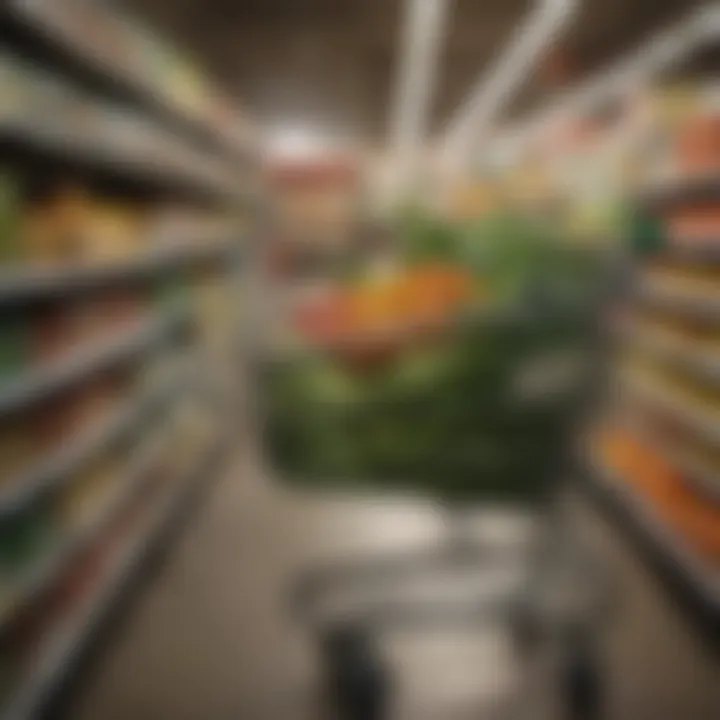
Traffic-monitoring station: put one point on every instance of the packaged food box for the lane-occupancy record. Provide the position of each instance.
(82, 499)
(120, 310)
(14, 346)
(693, 223)
(115, 233)
(93, 404)
(53, 424)
(75, 586)
(58, 227)
(54, 335)
(19, 449)
(10, 213)
(95, 320)
(671, 494)
(174, 292)
(698, 145)
(25, 538)
(699, 283)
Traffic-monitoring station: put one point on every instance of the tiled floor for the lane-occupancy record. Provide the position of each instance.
(211, 637)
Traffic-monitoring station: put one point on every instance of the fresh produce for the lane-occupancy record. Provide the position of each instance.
(416, 298)
(444, 415)
(420, 379)
(428, 238)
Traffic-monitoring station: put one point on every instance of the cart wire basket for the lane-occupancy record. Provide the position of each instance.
(481, 410)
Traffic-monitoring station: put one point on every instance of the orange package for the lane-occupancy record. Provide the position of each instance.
(699, 145)
(696, 518)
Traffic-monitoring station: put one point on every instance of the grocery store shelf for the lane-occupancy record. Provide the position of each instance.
(705, 251)
(36, 385)
(62, 651)
(19, 285)
(701, 420)
(28, 588)
(100, 150)
(679, 304)
(680, 190)
(685, 355)
(50, 474)
(696, 473)
(699, 474)
(47, 31)
(695, 575)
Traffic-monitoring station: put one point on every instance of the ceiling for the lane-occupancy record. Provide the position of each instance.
(330, 64)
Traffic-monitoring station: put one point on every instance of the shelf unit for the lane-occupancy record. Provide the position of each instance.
(696, 361)
(43, 27)
(679, 304)
(127, 132)
(174, 169)
(695, 470)
(31, 585)
(676, 191)
(698, 252)
(60, 466)
(63, 650)
(691, 414)
(155, 142)
(698, 579)
(22, 286)
(34, 386)
(695, 573)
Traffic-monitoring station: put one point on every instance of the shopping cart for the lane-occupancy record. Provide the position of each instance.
(485, 413)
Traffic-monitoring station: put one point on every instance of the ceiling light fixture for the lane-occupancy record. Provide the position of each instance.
(475, 116)
(422, 31)
(662, 51)
(296, 142)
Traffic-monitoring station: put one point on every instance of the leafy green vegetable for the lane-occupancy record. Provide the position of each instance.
(447, 419)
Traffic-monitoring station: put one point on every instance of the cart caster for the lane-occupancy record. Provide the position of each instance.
(582, 683)
(357, 679)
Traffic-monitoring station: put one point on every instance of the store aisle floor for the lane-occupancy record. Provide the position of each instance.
(210, 639)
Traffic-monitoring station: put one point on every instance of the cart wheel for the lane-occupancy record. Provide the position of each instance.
(357, 678)
(582, 679)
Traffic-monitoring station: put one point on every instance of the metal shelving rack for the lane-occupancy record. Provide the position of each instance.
(63, 649)
(204, 162)
(696, 576)
(36, 386)
(42, 26)
(24, 286)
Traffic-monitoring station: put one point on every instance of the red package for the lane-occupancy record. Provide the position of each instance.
(54, 335)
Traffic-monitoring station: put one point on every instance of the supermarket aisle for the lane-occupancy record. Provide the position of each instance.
(202, 642)
(210, 638)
